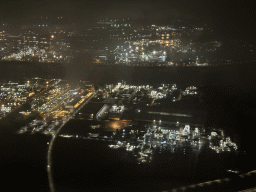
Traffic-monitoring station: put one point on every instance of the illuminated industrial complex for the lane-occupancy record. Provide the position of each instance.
(135, 44)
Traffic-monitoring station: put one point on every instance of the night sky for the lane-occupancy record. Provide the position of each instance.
(229, 19)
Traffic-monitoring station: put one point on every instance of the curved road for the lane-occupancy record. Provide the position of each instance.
(49, 153)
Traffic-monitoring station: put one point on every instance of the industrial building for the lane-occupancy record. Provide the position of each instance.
(92, 111)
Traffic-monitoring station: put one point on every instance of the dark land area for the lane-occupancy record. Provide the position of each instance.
(23, 162)
(92, 166)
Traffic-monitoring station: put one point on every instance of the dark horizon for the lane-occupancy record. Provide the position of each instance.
(229, 20)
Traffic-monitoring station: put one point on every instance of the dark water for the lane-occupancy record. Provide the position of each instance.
(237, 76)
(23, 162)
(182, 76)
(87, 165)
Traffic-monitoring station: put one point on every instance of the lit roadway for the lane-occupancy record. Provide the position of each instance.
(170, 114)
(49, 153)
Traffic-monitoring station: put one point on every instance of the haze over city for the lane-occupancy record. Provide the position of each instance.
(127, 95)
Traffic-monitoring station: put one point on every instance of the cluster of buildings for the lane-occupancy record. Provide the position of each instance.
(144, 143)
(157, 139)
(116, 41)
(57, 102)
(162, 91)
(156, 45)
(40, 126)
(52, 97)
(44, 96)
(63, 99)
(219, 143)
(151, 92)
(137, 53)
(93, 111)
(34, 45)
(15, 94)
(146, 100)
(192, 90)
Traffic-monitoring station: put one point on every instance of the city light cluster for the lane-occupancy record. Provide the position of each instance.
(135, 44)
